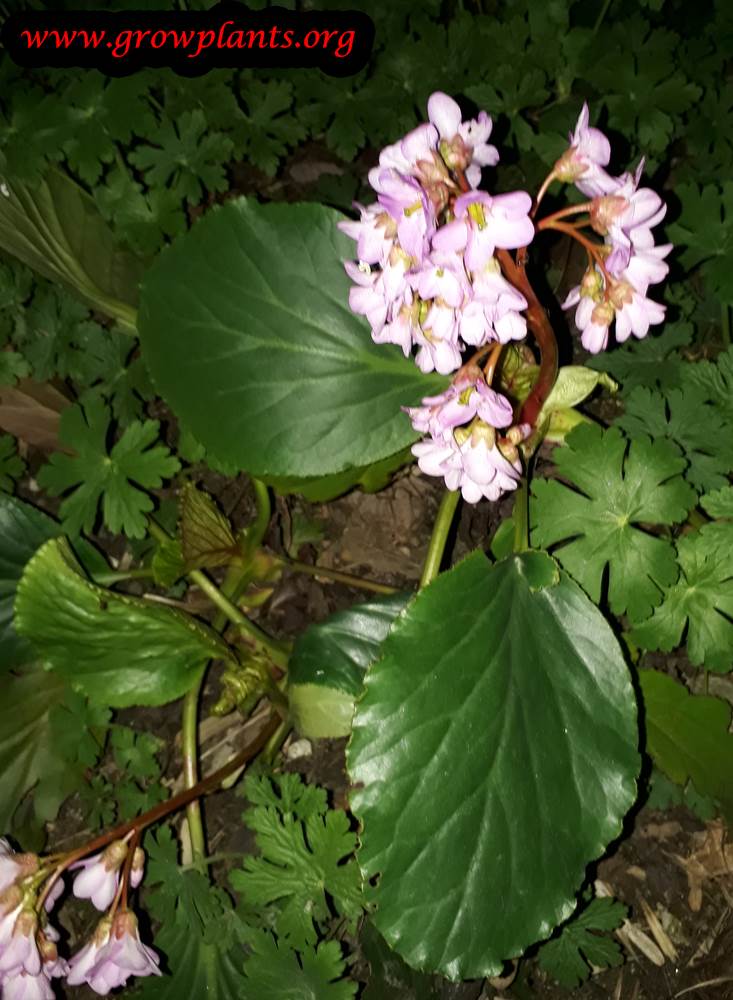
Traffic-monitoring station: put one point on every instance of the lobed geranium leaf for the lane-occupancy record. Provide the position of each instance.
(247, 333)
(111, 476)
(719, 503)
(615, 486)
(11, 464)
(119, 650)
(303, 857)
(682, 415)
(276, 971)
(652, 362)
(705, 229)
(568, 957)
(452, 781)
(688, 736)
(700, 604)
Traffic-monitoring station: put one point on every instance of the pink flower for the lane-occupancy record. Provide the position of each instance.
(101, 875)
(583, 163)
(138, 867)
(463, 145)
(19, 952)
(23, 986)
(14, 866)
(113, 955)
(374, 234)
(459, 404)
(634, 312)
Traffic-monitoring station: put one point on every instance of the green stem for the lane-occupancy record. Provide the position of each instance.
(256, 530)
(189, 743)
(337, 575)
(725, 324)
(521, 517)
(439, 537)
(208, 784)
(274, 650)
(121, 575)
(601, 15)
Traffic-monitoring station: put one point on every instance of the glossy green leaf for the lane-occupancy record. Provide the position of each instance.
(22, 530)
(57, 230)
(247, 332)
(326, 670)
(118, 650)
(493, 756)
(369, 478)
(27, 749)
(688, 736)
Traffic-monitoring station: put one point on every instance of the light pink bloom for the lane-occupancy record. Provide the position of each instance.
(442, 278)
(408, 204)
(121, 956)
(100, 878)
(374, 233)
(23, 986)
(19, 953)
(634, 312)
(84, 960)
(56, 891)
(138, 867)
(459, 404)
(463, 145)
(14, 866)
(583, 163)
(437, 339)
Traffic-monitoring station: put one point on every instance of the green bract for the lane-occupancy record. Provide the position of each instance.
(246, 329)
(493, 756)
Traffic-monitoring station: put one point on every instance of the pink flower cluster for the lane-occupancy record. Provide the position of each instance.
(29, 958)
(624, 214)
(427, 279)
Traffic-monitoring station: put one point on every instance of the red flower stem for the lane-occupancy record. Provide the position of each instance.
(138, 824)
(592, 248)
(541, 193)
(546, 223)
(543, 333)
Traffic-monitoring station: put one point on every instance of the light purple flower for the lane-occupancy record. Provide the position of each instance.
(463, 145)
(475, 465)
(113, 956)
(437, 340)
(466, 398)
(100, 878)
(583, 162)
(374, 233)
(634, 312)
(138, 867)
(23, 986)
(408, 204)
(14, 866)
(20, 953)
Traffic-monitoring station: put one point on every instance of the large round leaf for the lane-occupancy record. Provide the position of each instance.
(247, 332)
(494, 754)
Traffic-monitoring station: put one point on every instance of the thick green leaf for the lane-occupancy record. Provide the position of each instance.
(326, 670)
(56, 229)
(247, 332)
(27, 751)
(370, 478)
(617, 488)
(22, 530)
(493, 754)
(688, 737)
(118, 650)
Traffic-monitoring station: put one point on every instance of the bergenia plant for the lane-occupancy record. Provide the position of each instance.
(493, 737)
